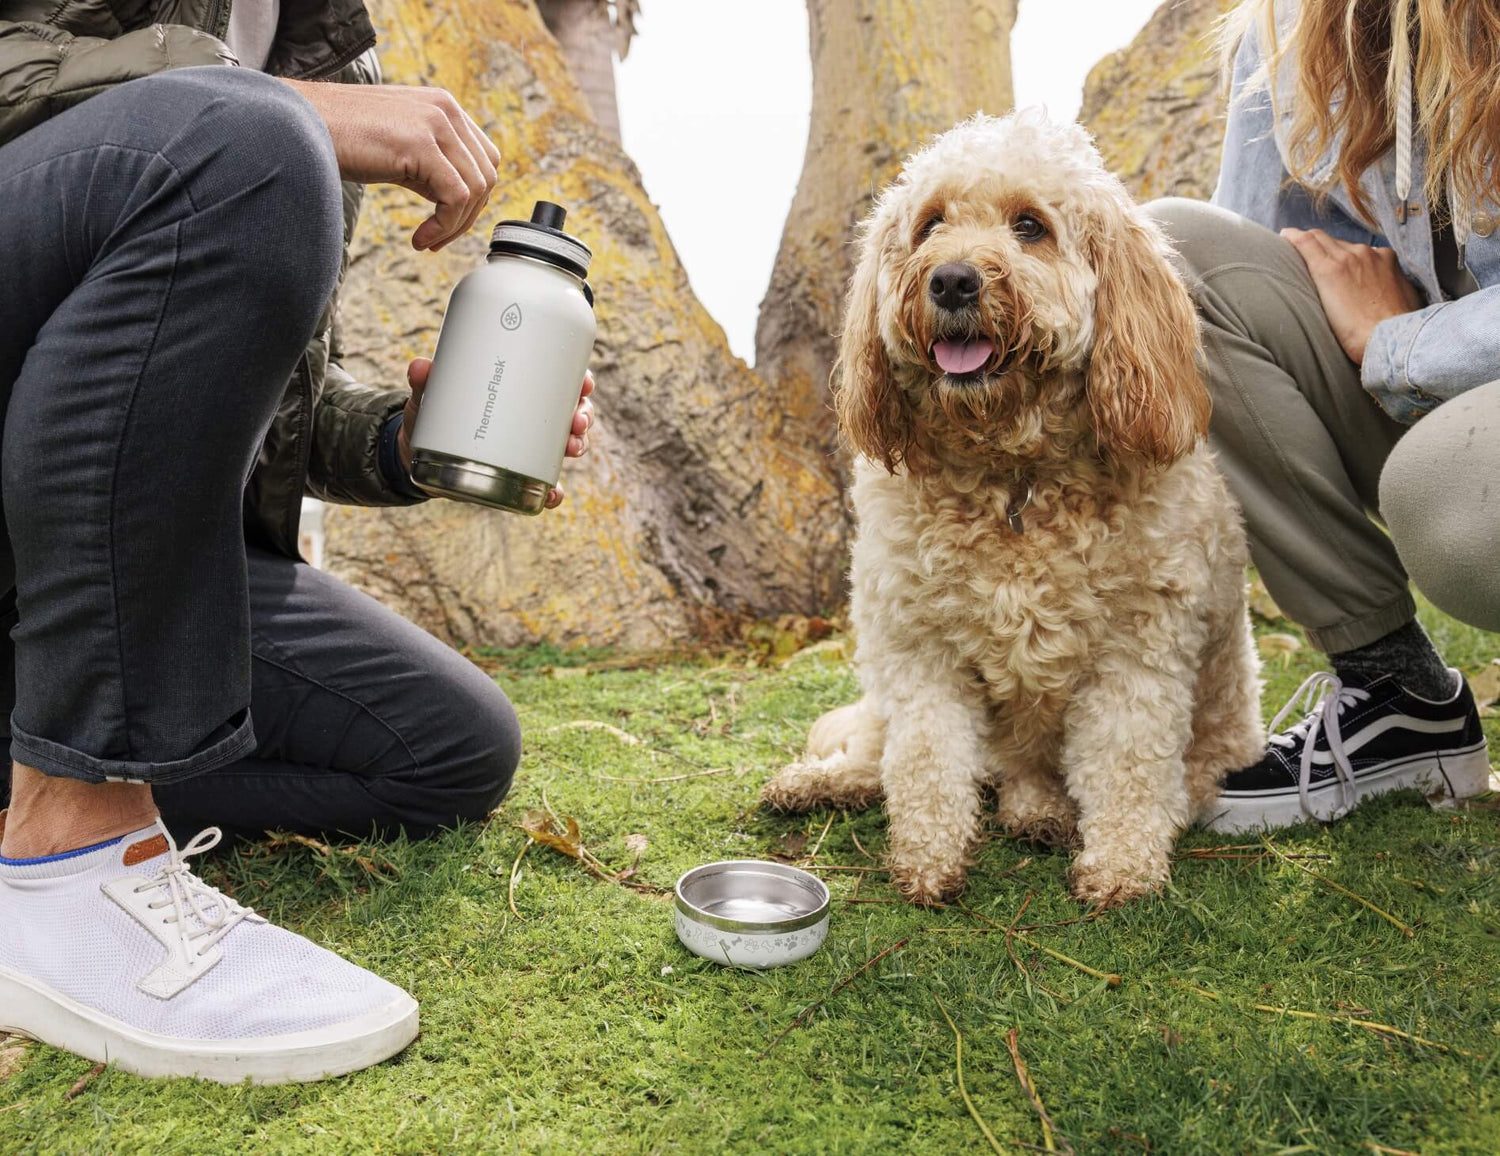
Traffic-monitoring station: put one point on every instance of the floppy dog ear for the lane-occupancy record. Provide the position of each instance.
(1144, 384)
(872, 415)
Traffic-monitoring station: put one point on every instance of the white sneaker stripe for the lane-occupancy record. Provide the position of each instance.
(1352, 743)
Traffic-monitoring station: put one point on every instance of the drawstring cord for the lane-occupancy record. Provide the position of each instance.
(1458, 207)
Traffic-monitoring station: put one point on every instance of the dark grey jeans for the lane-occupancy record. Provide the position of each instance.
(166, 250)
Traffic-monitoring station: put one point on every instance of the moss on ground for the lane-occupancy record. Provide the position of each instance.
(583, 1027)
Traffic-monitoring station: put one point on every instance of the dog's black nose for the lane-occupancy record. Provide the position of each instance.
(955, 286)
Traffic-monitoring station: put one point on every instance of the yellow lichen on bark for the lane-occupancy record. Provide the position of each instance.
(694, 508)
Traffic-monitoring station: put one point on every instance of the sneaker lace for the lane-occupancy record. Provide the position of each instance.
(188, 895)
(1324, 697)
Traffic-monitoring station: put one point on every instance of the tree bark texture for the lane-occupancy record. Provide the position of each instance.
(1156, 108)
(695, 508)
(887, 74)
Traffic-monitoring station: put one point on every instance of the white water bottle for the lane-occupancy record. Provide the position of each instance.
(509, 363)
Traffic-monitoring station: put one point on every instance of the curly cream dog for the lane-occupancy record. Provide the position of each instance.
(1048, 578)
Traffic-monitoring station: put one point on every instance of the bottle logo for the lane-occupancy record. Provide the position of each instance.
(511, 318)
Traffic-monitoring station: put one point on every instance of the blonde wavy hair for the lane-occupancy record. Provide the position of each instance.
(1350, 69)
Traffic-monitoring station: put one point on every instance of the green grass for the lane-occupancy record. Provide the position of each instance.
(585, 1028)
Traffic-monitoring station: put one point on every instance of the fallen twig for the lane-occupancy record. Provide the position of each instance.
(584, 724)
(665, 778)
(841, 867)
(1374, 1147)
(860, 847)
(1012, 1041)
(1360, 899)
(515, 870)
(840, 986)
(83, 1082)
(1108, 977)
(1010, 931)
(813, 854)
(958, 1065)
(1368, 1025)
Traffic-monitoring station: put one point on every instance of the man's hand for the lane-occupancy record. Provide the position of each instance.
(578, 440)
(1359, 286)
(418, 138)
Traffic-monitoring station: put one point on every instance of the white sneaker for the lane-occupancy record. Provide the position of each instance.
(120, 954)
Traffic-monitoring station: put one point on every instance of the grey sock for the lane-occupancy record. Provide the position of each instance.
(1408, 654)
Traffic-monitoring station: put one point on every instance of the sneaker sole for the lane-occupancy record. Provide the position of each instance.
(1444, 780)
(33, 1009)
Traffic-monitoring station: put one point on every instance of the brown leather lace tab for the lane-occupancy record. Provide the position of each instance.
(145, 849)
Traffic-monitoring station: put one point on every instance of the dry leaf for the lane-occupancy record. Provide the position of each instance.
(1486, 687)
(792, 843)
(1262, 603)
(539, 825)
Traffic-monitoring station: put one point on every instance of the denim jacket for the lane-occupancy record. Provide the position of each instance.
(1415, 361)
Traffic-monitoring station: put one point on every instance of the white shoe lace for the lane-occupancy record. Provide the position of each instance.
(186, 894)
(1324, 698)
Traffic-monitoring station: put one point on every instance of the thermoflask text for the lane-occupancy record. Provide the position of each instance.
(509, 362)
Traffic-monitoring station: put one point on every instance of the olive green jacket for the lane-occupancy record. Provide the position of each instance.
(325, 438)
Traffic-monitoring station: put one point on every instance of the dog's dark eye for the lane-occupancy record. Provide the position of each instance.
(929, 225)
(1028, 228)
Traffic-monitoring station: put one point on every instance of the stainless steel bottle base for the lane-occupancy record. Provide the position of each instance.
(451, 477)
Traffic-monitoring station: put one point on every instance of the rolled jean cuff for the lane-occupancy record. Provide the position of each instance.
(1353, 633)
(55, 759)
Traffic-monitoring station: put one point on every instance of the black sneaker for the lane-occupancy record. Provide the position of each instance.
(1355, 742)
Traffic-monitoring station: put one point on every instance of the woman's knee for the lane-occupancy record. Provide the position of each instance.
(1440, 498)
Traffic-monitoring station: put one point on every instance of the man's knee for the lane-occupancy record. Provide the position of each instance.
(494, 754)
(255, 155)
(1440, 498)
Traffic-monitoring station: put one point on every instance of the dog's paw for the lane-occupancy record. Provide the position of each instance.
(1104, 884)
(825, 783)
(1040, 829)
(928, 883)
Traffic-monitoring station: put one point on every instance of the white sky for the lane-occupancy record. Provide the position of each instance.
(714, 106)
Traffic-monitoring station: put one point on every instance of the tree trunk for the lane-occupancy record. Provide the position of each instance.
(690, 512)
(887, 74)
(588, 40)
(1156, 108)
(701, 504)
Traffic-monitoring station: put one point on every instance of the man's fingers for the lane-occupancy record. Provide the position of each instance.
(588, 383)
(417, 371)
(446, 189)
(554, 497)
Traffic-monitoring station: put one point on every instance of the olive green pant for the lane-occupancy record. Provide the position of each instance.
(1313, 459)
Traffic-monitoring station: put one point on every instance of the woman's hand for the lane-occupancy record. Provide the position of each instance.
(1359, 286)
(578, 439)
(418, 138)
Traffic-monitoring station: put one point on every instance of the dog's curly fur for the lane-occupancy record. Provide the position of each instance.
(1097, 668)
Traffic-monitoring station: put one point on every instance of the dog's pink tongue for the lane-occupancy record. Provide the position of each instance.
(962, 356)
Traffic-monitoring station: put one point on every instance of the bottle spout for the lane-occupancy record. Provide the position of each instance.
(548, 215)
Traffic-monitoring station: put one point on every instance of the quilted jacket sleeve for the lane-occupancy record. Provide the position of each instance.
(44, 70)
(348, 426)
(350, 420)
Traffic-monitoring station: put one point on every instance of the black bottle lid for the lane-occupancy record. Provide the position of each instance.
(543, 238)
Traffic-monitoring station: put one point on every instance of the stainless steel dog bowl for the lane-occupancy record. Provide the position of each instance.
(751, 914)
